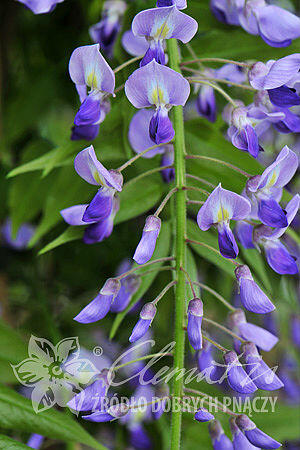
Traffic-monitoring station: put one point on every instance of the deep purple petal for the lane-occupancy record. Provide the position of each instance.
(206, 103)
(89, 112)
(138, 134)
(84, 132)
(279, 259)
(95, 310)
(160, 128)
(146, 246)
(129, 286)
(194, 331)
(100, 207)
(261, 439)
(202, 415)
(99, 417)
(156, 52)
(73, 215)
(261, 374)
(271, 213)
(259, 336)
(139, 438)
(180, 4)
(253, 298)
(140, 329)
(168, 175)
(227, 244)
(244, 232)
(90, 397)
(284, 97)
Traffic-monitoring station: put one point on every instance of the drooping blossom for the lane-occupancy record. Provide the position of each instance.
(106, 31)
(220, 207)
(195, 316)
(35, 441)
(278, 78)
(265, 190)
(254, 434)
(100, 212)
(237, 377)
(206, 101)
(259, 372)
(157, 24)
(40, 6)
(100, 305)
(140, 140)
(252, 296)
(94, 81)
(107, 415)
(275, 25)
(206, 364)
(277, 255)
(259, 336)
(129, 286)
(146, 246)
(23, 236)
(219, 439)
(162, 87)
(239, 440)
(147, 315)
(93, 396)
(202, 415)
(226, 11)
(242, 131)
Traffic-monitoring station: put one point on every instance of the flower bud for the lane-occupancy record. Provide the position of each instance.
(146, 246)
(147, 314)
(195, 315)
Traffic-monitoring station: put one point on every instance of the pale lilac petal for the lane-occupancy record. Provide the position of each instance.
(134, 45)
(73, 215)
(158, 85)
(259, 336)
(146, 246)
(35, 441)
(88, 67)
(281, 171)
(253, 298)
(224, 11)
(91, 170)
(277, 74)
(244, 232)
(231, 72)
(277, 26)
(222, 205)
(40, 6)
(138, 134)
(164, 23)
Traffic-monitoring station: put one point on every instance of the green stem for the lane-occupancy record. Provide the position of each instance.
(217, 88)
(142, 358)
(139, 155)
(163, 292)
(220, 60)
(125, 64)
(149, 263)
(224, 329)
(165, 201)
(179, 335)
(220, 161)
(215, 294)
(146, 174)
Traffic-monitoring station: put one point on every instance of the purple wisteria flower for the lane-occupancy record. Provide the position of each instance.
(226, 11)
(202, 415)
(252, 297)
(219, 439)
(35, 441)
(24, 234)
(254, 435)
(40, 6)
(129, 286)
(146, 246)
(244, 233)
(147, 315)
(106, 31)
(220, 207)
(207, 365)
(241, 131)
(278, 78)
(206, 100)
(240, 442)
(100, 306)
(93, 395)
(265, 190)
(275, 25)
(250, 332)
(195, 316)
(100, 212)
(89, 71)
(107, 415)
(259, 372)
(140, 140)
(134, 45)
(157, 24)
(162, 87)
(237, 378)
(278, 257)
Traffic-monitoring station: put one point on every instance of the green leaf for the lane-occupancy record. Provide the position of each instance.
(138, 197)
(12, 346)
(8, 443)
(69, 235)
(162, 249)
(210, 254)
(16, 413)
